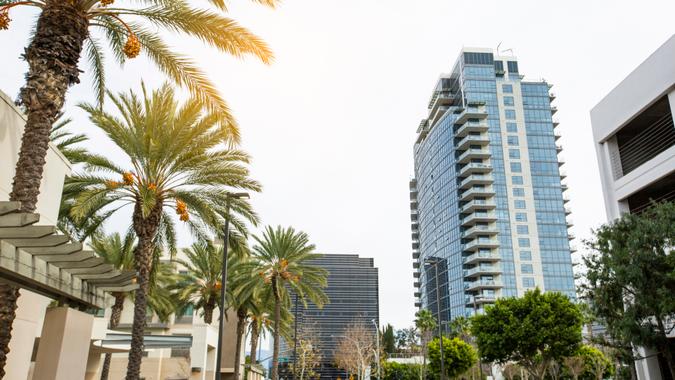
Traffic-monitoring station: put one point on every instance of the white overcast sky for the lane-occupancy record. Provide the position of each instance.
(332, 122)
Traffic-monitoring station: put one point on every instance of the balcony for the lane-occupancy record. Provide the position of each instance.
(483, 284)
(416, 254)
(479, 243)
(479, 230)
(416, 274)
(470, 140)
(441, 98)
(476, 179)
(471, 112)
(556, 136)
(554, 109)
(555, 123)
(472, 154)
(416, 264)
(481, 256)
(477, 204)
(418, 294)
(551, 96)
(480, 300)
(486, 191)
(478, 217)
(471, 126)
(568, 211)
(418, 304)
(416, 284)
(474, 167)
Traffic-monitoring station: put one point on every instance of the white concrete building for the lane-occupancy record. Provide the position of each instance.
(635, 144)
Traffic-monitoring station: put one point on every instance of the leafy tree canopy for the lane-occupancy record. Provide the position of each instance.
(458, 355)
(536, 328)
(631, 277)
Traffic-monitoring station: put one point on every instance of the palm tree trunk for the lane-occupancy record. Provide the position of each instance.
(115, 315)
(277, 318)
(52, 58)
(208, 313)
(255, 335)
(146, 229)
(8, 296)
(241, 327)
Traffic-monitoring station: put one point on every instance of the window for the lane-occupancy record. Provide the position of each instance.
(510, 114)
(507, 88)
(518, 192)
(520, 204)
(525, 255)
(528, 282)
(516, 167)
(512, 140)
(514, 153)
(526, 268)
(511, 127)
(517, 180)
(521, 217)
(522, 229)
(508, 101)
(499, 67)
(513, 66)
(478, 58)
(523, 242)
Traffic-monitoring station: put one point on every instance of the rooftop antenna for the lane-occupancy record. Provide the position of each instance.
(498, 45)
(505, 50)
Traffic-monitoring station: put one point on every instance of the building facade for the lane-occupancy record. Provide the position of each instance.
(635, 145)
(487, 207)
(353, 293)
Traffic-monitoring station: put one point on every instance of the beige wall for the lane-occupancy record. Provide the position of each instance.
(31, 306)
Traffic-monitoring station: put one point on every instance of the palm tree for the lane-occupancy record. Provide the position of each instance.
(282, 261)
(120, 253)
(178, 161)
(425, 323)
(65, 30)
(199, 287)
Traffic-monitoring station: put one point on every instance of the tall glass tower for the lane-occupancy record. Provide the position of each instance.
(487, 207)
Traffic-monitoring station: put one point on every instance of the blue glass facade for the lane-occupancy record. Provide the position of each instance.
(487, 207)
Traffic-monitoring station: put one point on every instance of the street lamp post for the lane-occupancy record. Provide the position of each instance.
(295, 336)
(377, 347)
(435, 262)
(223, 284)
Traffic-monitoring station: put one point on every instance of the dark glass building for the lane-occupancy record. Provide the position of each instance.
(487, 203)
(353, 293)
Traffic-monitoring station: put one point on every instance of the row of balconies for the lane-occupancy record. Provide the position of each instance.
(482, 270)
(476, 179)
(467, 195)
(469, 140)
(471, 127)
(479, 243)
(482, 284)
(477, 204)
(481, 256)
(479, 229)
(474, 167)
(473, 153)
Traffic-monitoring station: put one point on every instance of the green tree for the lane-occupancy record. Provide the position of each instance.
(388, 339)
(596, 365)
(533, 330)
(282, 260)
(177, 162)
(458, 357)
(425, 323)
(631, 276)
(460, 327)
(400, 371)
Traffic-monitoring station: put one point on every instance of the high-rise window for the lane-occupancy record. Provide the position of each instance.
(526, 268)
(528, 282)
(507, 89)
(524, 242)
(512, 140)
(514, 153)
(522, 229)
(516, 167)
(510, 114)
(511, 127)
(518, 192)
(520, 204)
(526, 255)
(508, 101)
(517, 179)
(521, 217)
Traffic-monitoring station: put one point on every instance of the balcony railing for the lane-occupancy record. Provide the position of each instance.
(482, 256)
(471, 126)
(479, 230)
(469, 194)
(483, 284)
(478, 204)
(471, 154)
(476, 179)
(469, 140)
(474, 167)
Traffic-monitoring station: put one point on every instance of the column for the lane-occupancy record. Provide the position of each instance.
(64, 345)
